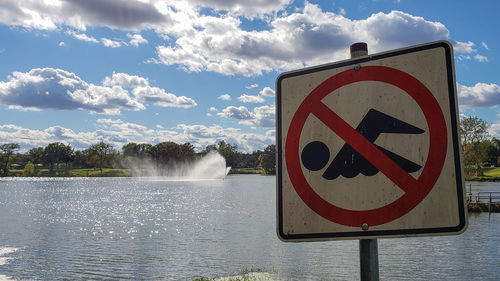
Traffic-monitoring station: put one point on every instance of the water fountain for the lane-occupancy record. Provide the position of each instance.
(210, 166)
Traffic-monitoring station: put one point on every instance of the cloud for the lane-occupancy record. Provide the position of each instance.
(479, 95)
(250, 99)
(119, 133)
(116, 14)
(226, 97)
(145, 93)
(267, 92)
(82, 36)
(49, 88)
(61, 44)
(252, 86)
(159, 97)
(484, 45)
(208, 35)
(125, 80)
(110, 43)
(464, 47)
(136, 39)
(29, 138)
(240, 113)
(264, 116)
(201, 136)
(250, 9)
(31, 16)
(480, 58)
(307, 37)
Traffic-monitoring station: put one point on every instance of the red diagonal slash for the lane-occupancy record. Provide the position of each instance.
(367, 149)
(415, 190)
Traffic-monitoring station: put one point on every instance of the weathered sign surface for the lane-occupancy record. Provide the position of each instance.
(369, 147)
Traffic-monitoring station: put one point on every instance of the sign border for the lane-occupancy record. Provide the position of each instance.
(455, 145)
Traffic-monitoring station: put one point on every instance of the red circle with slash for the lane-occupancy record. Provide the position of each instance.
(415, 189)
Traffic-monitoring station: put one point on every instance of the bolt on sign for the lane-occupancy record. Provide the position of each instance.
(369, 148)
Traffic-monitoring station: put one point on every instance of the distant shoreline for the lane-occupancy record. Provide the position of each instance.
(107, 172)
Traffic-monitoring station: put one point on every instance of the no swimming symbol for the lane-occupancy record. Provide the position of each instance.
(348, 162)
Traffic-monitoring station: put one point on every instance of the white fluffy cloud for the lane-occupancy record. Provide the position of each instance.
(110, 43)
(479, 95)
(308, 37)
(480, 58)
(82, 36)
(252, 86)
(250, 99)
(49, 88)
(146, 93)
(240, 113)
(205, 135)
(136, 39)
(267, 92)
(208, 35)
(263, 116)
(225, 97)
(119, 133)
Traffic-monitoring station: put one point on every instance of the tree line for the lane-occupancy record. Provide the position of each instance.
(479, 150)
(59, 156)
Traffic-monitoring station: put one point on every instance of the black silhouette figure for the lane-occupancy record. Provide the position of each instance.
(348, 162)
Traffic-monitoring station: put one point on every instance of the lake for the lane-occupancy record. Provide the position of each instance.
(160, 229)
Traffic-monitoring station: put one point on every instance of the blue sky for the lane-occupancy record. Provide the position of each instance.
(202, 71)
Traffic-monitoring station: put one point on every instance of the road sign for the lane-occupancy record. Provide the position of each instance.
(369, 147)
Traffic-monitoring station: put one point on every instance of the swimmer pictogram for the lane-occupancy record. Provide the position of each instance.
(348, 162)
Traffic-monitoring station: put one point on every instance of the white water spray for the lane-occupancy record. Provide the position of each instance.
(210, 166)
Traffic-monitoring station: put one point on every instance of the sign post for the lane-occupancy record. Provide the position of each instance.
(368, 148)
(368, 248)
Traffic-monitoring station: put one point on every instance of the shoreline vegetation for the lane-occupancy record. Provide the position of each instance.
(488, 174)
(108, 172)
(134, 159)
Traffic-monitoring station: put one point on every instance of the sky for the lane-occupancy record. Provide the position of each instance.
(147, 71)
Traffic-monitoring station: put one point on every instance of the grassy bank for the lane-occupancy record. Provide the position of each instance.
(245, 171)
(90, 172)
(489, 174)
(106, 172)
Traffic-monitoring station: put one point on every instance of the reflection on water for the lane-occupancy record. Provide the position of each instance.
(132, 228)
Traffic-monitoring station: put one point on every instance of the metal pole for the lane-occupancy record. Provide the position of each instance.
(368, 260)
(368, 248)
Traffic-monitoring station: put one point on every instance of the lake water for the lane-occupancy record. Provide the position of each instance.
(156, 229)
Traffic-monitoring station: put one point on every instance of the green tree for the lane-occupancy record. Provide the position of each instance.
(166, 153)
(6, 151)
(492, 151)
(474, 134)
(57, 152)
(208, 148)
(29, 170)
(141, 150)
(101, 155)
(187, 152)
(130, 150)
(36, 155)
(268, 159)
(473, 129)
(250, 160)
(230, 153)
